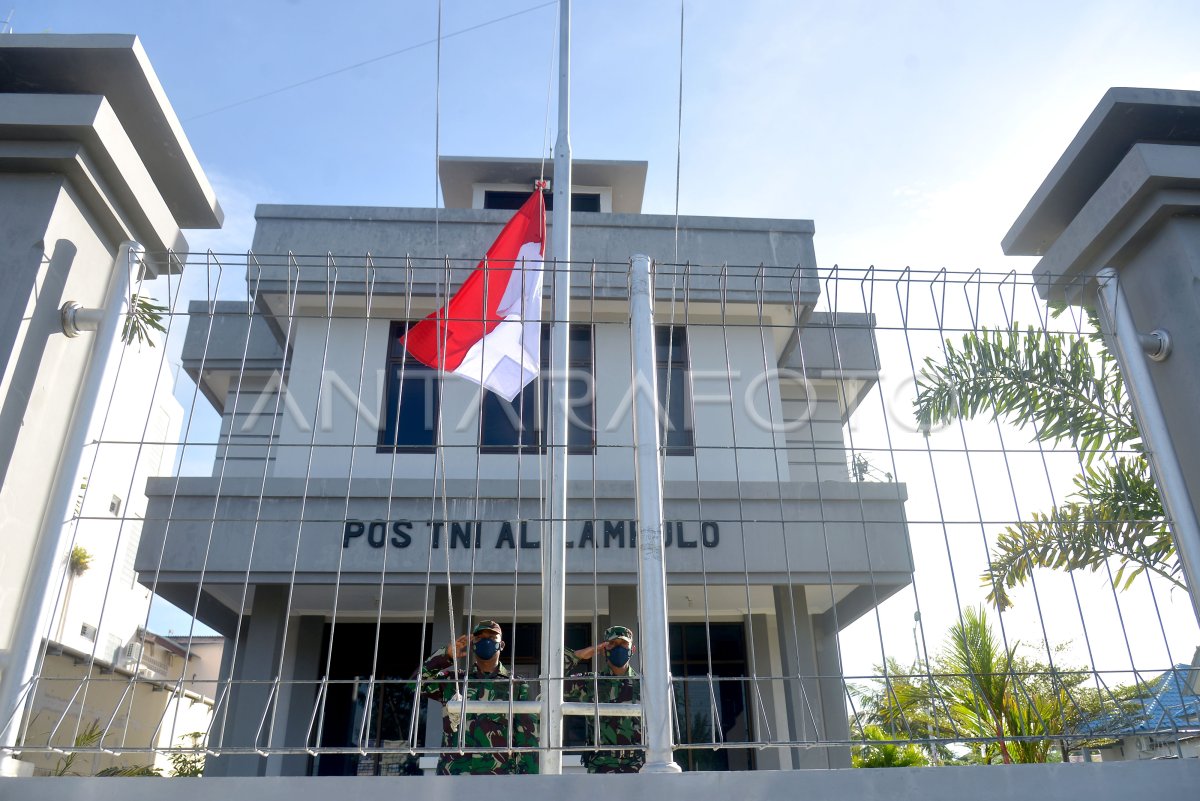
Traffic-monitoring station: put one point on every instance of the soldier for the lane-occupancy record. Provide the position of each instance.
(487, 679)
(616, 682)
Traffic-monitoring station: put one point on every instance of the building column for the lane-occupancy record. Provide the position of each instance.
(294, 707)
(769, 712)
(802, 694)
(833, 693)
(623, 611)
(223, 697)
(257, 660)
(440, 638)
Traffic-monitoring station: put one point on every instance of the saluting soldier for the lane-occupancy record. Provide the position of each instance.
(616, 682)
(487, 680)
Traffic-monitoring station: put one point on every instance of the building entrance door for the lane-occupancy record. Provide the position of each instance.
(379, 717)
(717, 710)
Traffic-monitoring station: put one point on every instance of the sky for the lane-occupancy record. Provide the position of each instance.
(911, 133)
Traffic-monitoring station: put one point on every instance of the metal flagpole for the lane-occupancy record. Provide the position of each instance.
(555, 534)
(652, 573)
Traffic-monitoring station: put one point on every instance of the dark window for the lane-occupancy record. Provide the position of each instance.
(363, 714)
(521, 424)
(523, 644)
(410, 408)
(502, 199)
(717, 714)
(671, 356)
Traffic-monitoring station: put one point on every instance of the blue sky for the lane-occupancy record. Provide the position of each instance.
(912, 133)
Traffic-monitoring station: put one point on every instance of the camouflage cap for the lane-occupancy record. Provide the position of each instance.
(487, 625)
(618, 633)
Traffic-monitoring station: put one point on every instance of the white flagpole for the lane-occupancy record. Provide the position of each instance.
(555, 534)
(652, 572)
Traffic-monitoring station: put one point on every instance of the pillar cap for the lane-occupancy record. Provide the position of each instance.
(116, 67)
(1124, 117)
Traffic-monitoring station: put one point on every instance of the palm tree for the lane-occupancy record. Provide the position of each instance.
(1066, 388)
(145, 315)
(978, 692)
(878, 751)
(89, 737)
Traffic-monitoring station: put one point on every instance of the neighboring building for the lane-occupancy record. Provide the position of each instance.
(147, 699)
(103, 668)
(1162, 724)
(321, 506)
(103, 608)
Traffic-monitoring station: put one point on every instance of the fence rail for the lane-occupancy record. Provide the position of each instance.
(909, 518)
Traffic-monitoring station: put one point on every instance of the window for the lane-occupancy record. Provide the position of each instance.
(410, 408)
(521, 424)
(513, 200)
(721, 703)
(128, 574)
(114, 506)
(88, 632)
(671, 357)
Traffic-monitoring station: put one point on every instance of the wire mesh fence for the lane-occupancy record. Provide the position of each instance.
(908, 520)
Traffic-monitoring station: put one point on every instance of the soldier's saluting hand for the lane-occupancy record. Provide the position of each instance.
(487, 679)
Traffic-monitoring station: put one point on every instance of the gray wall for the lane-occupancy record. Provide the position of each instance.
(1173, 779)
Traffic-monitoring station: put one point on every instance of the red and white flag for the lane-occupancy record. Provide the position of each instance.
(490, 331)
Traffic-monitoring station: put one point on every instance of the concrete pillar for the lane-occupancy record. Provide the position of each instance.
(802, 695)
(302, 665)
(623, 611)
(833, 694)
(256, 666)
(768, 711)
(1124, 198)
(440, 638)
(215, 766)
(91, 154)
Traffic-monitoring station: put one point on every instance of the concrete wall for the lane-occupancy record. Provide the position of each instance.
(143, 715)
(1176, 779)
(802, 533)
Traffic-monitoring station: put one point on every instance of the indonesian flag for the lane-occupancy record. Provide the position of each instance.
(490, 331)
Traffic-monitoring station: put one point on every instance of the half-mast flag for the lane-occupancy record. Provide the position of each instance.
(490, 330)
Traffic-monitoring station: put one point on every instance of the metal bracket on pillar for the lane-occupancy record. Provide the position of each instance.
(1156, 344)
(76, 319)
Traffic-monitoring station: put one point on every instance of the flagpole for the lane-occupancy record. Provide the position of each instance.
(554, 545)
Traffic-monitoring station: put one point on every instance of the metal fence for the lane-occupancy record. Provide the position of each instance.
(908, 520)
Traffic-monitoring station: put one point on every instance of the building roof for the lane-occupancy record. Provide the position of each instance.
(1169, 705)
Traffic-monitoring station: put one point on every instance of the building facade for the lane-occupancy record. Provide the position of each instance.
(356, 497)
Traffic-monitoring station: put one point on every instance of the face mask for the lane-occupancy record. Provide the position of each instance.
(485, 649)
(618, 656)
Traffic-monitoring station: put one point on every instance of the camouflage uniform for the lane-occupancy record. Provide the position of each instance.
(625, 732)
(482, 730)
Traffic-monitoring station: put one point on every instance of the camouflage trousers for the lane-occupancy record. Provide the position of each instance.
(627, 761)
(486, 764)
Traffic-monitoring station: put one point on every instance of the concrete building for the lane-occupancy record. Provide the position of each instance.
(320, 546)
